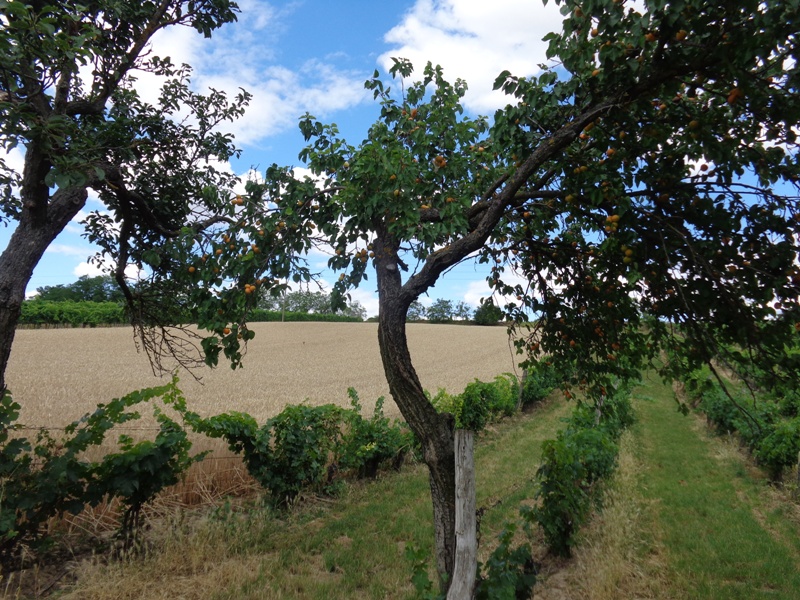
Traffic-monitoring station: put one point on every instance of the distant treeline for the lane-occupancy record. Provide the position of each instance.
(43, 313)
(70, 313)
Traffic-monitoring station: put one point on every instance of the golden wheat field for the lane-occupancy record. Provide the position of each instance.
(57, 375)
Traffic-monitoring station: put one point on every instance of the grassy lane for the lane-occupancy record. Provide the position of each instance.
(721, 538)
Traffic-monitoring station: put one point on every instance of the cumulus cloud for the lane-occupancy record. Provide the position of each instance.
(475, 40)
(244, 56)
(95, 269)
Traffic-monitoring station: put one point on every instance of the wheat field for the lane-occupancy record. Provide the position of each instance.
(57, 375)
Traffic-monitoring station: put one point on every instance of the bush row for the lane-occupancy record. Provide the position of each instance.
(306, 448)
(499, 398)
(767, 424)
(74, 314)
(260, 316)
(574, 464)
(93, 314)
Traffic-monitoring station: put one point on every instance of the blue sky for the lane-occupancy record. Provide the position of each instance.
(314, 55)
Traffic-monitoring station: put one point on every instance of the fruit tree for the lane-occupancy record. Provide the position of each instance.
(67, 96)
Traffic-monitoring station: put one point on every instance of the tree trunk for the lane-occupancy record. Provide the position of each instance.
(462, 586)
(28, 243)
(433, 430)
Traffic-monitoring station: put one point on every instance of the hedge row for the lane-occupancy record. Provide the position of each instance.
(574, 465)
(74, 314)
(94, 314)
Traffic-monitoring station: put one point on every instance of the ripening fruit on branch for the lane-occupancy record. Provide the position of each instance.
(226, 331)
(734, 95)
(192, 269)
(439, 162)
(681, 35)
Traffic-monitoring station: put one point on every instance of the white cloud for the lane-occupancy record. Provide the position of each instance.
(475, 40)
(83, 252)
(366, 298)
(281, 96)
(477, 290)
(93, 269)
(244, 55)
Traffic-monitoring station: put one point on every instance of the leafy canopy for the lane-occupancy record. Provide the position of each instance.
(642, 189)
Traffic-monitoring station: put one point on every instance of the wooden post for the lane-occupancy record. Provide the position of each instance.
(521, 389)
(462, 586)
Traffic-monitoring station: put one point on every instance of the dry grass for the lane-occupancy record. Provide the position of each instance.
(57, 375)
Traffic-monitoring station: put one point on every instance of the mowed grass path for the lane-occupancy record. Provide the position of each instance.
(725, 534)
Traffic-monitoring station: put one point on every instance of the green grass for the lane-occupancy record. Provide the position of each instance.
(707, 511)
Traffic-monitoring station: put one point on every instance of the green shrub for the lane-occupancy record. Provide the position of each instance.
(719, 409)
(484, 401)
(508, 573)
(571, 465)
(444, 402)
(47, 477)
(367, 443)
(488, 313)
(72, 313)
(779, 447)
(541, 379)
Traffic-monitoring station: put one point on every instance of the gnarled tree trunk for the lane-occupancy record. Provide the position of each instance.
(435, 431)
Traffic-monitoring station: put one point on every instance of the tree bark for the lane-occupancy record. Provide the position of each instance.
(35, 231)
(434, 431)
(466, 560)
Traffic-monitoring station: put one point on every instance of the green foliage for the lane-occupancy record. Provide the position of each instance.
(303, 438)
(74, 314)
(583, 454)
(419, 574)
(480, 402)
(767, 426)
(366, 443)
(258, 315)
(306, 301)
(778, 449)
(570, 465)
(301, 448)
(46, 477)
(542, 377)
(444, 402)
(508, 573)
(288, 454)
(441, 311)
(488, 313)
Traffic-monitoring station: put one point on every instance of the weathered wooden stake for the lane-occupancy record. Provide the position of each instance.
(466, 558)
